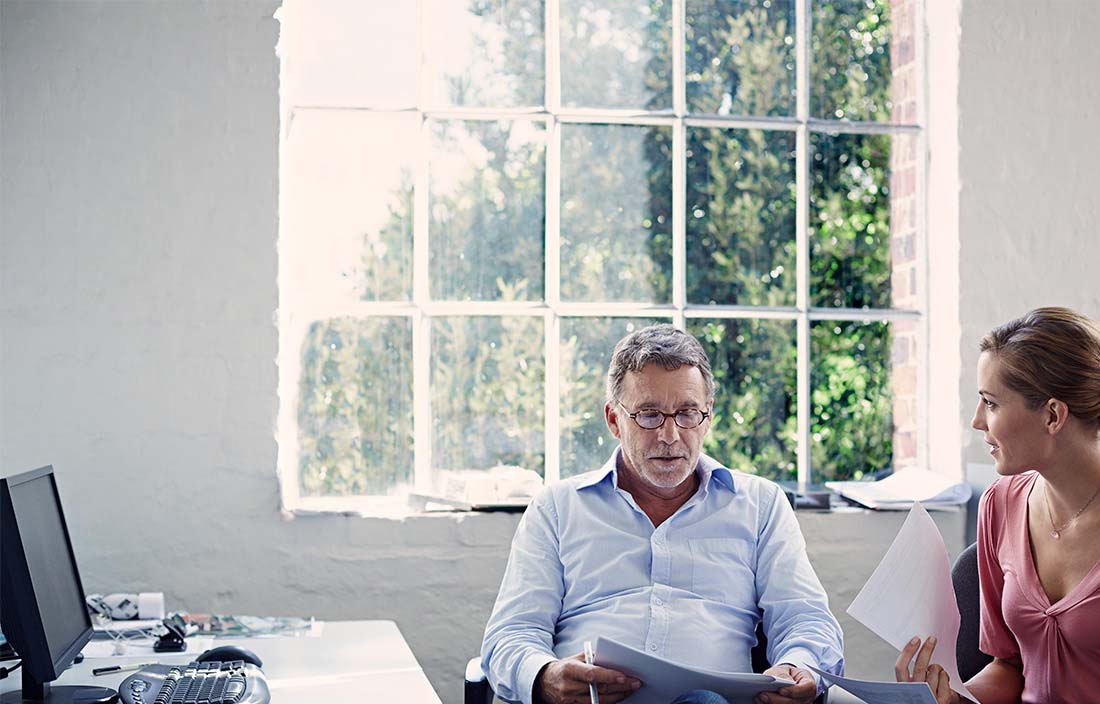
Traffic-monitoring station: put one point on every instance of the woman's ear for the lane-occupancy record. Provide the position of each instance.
(1057, 414)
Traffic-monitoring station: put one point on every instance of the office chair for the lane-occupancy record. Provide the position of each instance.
(964, 577)
(478, 691)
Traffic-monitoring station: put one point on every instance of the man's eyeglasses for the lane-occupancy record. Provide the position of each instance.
(650, 419)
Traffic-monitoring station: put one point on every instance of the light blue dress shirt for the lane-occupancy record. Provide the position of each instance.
(586, 561)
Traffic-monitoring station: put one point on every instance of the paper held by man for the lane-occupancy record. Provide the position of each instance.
(663, 681)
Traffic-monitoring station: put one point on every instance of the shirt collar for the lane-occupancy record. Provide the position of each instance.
(708, 468)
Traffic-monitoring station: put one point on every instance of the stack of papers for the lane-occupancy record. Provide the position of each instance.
(901, 490)
(663, 681)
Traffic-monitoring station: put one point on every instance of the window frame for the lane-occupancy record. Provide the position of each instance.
(294, 318)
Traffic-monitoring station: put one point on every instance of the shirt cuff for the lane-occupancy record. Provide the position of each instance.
(802, 658)
(528, 671)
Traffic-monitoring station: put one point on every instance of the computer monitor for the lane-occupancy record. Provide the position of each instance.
(42, 611)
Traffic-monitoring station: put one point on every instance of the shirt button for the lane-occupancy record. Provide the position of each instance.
(659, 602)
(652, 646)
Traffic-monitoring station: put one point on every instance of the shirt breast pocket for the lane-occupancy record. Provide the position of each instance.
(722, 570)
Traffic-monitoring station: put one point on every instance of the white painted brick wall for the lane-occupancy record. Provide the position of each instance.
(138, 162)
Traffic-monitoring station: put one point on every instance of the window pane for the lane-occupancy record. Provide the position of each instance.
(755, 413)
(851, 72)
(863, 228)
(740, 57)
(487, 210)
(616, 54)
(349, 206)
(331, 64)
(741, 217)
(586, 346)
(485, 54)
(616, 191)
(355, 428)
(488, 405)
(852, 428)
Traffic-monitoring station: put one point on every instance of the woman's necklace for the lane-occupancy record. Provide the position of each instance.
(1056, 531)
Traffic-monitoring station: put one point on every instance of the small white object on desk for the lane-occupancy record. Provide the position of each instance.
(140, 647)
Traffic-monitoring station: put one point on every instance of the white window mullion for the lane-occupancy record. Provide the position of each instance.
(421, 323)
(553, 56)
(679, 168)
(802, 233)
(422, 401)
(552, 268)
(553, 395)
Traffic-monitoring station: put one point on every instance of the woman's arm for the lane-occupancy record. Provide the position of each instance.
(999, 682)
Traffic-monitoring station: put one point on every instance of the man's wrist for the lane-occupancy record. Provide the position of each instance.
(537, 693)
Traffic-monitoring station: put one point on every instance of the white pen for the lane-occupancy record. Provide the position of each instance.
(120, 668)
(589, 658)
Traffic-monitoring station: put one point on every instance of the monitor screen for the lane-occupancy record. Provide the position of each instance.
(42, 611)
(51, 565)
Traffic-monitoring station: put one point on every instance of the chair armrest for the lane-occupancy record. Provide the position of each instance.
(476, 689)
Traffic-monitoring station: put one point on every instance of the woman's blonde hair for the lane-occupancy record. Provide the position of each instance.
(1051, 353)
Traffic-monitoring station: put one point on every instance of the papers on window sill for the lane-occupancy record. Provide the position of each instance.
(663, 681)
(900, 490)
(909, 594)
(500, 488)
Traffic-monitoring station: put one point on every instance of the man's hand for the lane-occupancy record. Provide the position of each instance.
(934, 675)
(803, 690)
(566, 682)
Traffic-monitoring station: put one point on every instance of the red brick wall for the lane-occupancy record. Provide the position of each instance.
(904, 233)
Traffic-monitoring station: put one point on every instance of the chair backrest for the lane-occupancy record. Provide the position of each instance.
(964, 577)
(759, 652)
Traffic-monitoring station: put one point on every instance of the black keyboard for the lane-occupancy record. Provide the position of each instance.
(234, 682)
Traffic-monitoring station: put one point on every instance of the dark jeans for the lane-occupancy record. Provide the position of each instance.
(700, 696)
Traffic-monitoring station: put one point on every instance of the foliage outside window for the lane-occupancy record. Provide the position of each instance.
(477, 205)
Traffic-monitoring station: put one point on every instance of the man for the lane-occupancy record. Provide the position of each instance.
(662, 549)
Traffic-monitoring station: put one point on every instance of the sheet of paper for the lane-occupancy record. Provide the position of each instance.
(882, 692)
(141, 647)
(910, 594)
(663, 681)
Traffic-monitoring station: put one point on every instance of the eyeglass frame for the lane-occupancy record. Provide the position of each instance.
(634, 417)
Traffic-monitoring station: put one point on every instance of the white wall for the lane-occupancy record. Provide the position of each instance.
(1029, 206)
(138, 150)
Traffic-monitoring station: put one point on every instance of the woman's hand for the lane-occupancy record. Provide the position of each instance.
(934, 675)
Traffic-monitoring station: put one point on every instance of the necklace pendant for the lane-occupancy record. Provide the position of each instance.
(1055, 534)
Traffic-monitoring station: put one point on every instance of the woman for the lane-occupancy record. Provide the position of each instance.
(1039, 523)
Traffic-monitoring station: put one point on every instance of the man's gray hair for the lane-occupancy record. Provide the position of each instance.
(662, 344)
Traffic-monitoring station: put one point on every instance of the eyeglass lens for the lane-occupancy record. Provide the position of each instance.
(651, 420)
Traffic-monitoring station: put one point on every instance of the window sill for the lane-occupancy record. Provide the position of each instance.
(396, 508)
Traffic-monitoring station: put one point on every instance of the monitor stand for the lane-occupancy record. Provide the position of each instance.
(62, 694)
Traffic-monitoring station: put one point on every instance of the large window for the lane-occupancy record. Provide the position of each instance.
(479, 197)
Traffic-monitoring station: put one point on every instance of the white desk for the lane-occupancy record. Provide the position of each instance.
(352, 661)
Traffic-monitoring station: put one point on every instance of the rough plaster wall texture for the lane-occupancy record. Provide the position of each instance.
(139, 201)
(1029, 211)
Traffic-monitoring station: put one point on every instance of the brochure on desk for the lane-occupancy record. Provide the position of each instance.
(663, 681)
